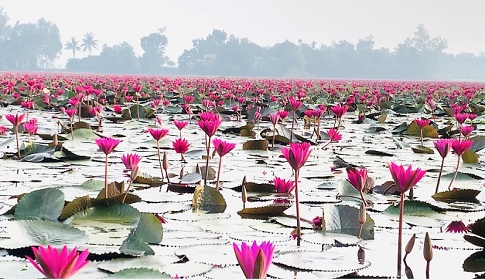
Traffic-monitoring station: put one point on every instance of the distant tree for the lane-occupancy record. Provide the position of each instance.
(153, 58)
(89, 43)
(5, 30)
(73, 45)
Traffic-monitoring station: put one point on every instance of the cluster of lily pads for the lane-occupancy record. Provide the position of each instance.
(130, 171)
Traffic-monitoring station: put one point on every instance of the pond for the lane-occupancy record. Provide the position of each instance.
(62, 190)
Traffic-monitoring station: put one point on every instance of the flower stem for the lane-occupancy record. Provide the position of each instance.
(421, 133)
(274, 135)
(292, 125)
(126, 193)
(297, 202)
(363, 199)
(399, 236)
(16, 130)
(106, 179)
(218, 173)
(439, 175)
(427, 270)
(207, 160)
(159, 161)
(456, 173)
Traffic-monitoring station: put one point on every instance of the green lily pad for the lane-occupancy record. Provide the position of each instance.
(208, 199)
(457, 194)
(25, 233)
(475, 262)
(149, 230)
(45, 204)
(139, 273)
(345, 219)
(122, 214)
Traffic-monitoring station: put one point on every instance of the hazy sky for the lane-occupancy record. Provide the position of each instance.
(265, 22)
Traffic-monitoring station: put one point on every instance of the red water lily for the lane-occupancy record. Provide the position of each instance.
(405, 179)
(222, 148)
(422, 122)
(181, 146)
(58, 264)
(158, 133)
(255, 259)
(180, 125)
(283, 185)
(459, 146)
(443, 147)
(209, 123)
(457, 227)
(130, 160)
(296, 155)
(16, 119)
(466, 130)
(106, 145)
(358, 178)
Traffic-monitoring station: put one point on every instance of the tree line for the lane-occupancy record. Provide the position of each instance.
(34, 46)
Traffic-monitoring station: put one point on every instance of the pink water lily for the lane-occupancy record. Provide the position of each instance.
(158, 133)
(107, 145)
(283, 185)
(459, 146)
(209, 123)
(58, 264)
(222, 148)
(255, 259)
(296, 155)
(357, 178)
(405, 179)
(457, 227)
(443, 147)
(16, 119)
(130, 160)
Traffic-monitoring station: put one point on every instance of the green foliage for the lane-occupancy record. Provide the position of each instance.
(45, 204)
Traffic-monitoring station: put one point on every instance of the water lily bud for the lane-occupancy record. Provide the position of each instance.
(427, 248)
(361, 255)
(197, 169)
(165, 161)
(362, 214)
(55, 140)
(410, 245)
(244, 195)
(181, 172)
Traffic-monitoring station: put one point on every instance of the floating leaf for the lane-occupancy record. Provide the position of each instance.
(475, 240)
(475, 262)
(378, 153)
(478, 143)
(139, 273)
(470, 156)
(382, 117)
(77, 205)
(428, 131)
(266, 211)
(457, 194)
(208, 199)
(261, 145)
(422, 150)
(144, 178)
(191, 178)
(335, 259)
(345, 219)
(81, 125)
(122, 214)
(45, 204)
(25, 233)
(149, 230)
(478, 227)
(412, 208)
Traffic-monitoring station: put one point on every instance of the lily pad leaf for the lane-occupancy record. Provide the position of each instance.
(422, 150)
(191, 178)
(478, 143)
(40, 157)
(138, 111)
(345, 219)
(378, 153)
(457, 194)
(25, 233)
(148, 231)
(82, 134)
(475, 240)
(428, 131)
(143, 178)
(44, 204)
(470, 156)
(335, 259)
(265, 211)
(475, 262)
(139, 273)
(478, 227)
(261, 145)
(122, 214)
(412, 208)
(77, 205)
(208, 199)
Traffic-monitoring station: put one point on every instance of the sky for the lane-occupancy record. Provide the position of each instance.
(264, 22)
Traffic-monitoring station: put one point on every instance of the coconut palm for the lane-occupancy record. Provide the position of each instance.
(89, 43)
(73, 45)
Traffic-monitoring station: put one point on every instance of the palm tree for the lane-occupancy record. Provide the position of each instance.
(89, 43)
(73, 45)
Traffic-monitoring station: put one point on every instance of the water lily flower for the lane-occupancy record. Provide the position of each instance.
(188, 99)
(339, 110)
(296, 155)
(457, 227)
(421, 124)
(255, 259)
(106, 145)
(222, 148)
(317, 222)
(130, 160)
(181, 146)
(117, 109)
(283, 114)
(158, 133)
(334, 135)
(180, 125)
(16, 120)
(466, 130)
(461, 117)
(443, 147)
(405, 179)
(31, 126)
(459, 147)
(209, 123)
(274, 120)
(58, 264)
(283, 185)
(357, 178)
(3, 130)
